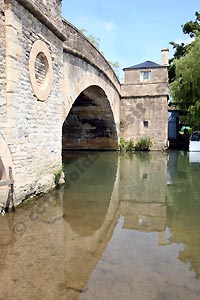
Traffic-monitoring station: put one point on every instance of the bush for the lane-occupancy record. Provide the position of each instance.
(122, 144)
(125, 145)
(57, 176)
(130, 146)
(143, 145)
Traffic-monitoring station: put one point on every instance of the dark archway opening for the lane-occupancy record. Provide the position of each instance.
(90, 123)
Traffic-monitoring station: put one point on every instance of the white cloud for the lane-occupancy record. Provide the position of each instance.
(109, 25)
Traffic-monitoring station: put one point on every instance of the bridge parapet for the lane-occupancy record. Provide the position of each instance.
(52, 9)
(77, 44)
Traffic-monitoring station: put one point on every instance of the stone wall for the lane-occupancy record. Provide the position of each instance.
(135, 111)
(34, 126)
(51, 8)
(2, 68)
(134, 87)
(144, 107)
(158, 75)
(32, 56)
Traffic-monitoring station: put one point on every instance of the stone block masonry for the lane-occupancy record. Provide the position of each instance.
(33, 125)
(40, 79)
(152, 110)
(144, 106)
(2, 68)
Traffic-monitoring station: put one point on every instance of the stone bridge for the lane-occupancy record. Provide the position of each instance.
(57, 92)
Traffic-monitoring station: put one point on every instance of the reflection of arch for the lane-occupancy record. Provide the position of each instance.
(5, 163)
(87, 244)
(90, 122)
(95, 183)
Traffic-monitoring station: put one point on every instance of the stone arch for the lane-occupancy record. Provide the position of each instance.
(84, 76)
(5, 163)
(90, 122)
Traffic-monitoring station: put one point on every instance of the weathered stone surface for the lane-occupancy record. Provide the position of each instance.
(135, 111)
(144, 107)
(33, 136)
(2, 68)
(32, 129)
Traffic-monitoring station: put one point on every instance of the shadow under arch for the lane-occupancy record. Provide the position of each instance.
(90, 124)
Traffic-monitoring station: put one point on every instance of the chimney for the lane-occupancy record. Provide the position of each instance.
(165, 56)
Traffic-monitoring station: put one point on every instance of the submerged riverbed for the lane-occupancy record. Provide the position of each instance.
(123, 227)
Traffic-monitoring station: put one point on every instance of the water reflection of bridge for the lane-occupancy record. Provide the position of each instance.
(65, 234)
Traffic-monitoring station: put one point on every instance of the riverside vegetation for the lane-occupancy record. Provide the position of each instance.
(143, 144)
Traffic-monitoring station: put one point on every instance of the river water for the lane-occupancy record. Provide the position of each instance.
(123, 227)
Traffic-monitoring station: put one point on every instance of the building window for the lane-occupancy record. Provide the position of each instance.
(146, 124)
(145, 76)
(145, 175)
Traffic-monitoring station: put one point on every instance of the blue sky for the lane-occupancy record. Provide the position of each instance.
(132, 31)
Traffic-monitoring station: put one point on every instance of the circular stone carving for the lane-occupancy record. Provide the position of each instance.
(40, 68)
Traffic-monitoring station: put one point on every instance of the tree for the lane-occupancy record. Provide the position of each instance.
(193, 29)
(185, 88)
(180, 51)
(184, 74)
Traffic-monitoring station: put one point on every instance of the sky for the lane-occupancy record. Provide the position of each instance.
(132, 31)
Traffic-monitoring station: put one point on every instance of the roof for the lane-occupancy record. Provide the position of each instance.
(145, 65)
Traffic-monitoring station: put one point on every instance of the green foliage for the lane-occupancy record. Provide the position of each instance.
(143, 144)
(180, 51)
(184, 75)
(122, 144)
(57, 176)
(125, 145)
(185, 88)
(130, 146)
(192, 27)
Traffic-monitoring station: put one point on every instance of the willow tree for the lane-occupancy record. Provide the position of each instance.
(185, 89)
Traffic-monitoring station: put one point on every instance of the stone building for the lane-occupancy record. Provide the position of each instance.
(144, 96)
